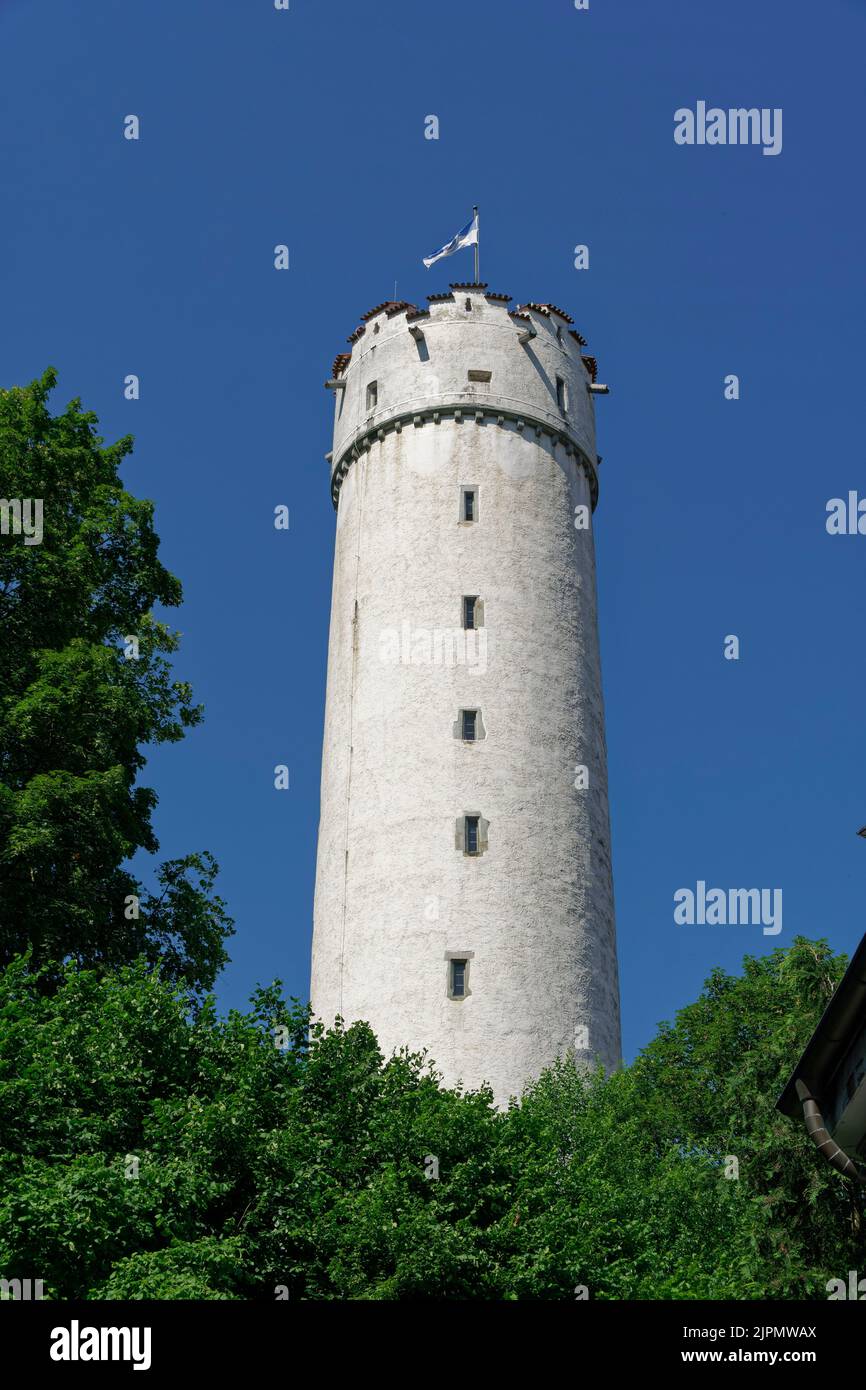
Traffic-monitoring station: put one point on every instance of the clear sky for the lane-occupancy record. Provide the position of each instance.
(306, 128)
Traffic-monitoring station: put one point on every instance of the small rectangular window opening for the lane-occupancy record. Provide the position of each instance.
(469, 612)
(469, 724)
(372, 395)
(472, 834)
(458, 979)
(560, 394)
(469, 505)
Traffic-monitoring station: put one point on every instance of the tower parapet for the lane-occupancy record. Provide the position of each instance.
(467, 353)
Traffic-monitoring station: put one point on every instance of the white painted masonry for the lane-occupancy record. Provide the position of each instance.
(395, 896)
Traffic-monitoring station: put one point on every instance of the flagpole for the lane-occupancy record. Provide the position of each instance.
(477, 239)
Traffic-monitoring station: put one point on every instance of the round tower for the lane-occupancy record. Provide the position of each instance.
(464, 898)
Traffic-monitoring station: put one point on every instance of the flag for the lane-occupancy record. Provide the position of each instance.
(467, 236)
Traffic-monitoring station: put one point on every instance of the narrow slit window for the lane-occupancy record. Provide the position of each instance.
(458, 979)
(469, 612)
(372, 395)
(470, 717)
(472, 834)
(469, 505)
(560, 395)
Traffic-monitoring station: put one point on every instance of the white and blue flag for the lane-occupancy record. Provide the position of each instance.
(467, 236)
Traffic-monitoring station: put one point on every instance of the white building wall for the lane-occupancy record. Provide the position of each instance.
(394, 894)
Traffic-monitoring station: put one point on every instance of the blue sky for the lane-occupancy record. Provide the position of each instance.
(261, 127)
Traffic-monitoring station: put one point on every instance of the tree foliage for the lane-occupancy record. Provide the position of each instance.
(76, 713)
(152, 1150)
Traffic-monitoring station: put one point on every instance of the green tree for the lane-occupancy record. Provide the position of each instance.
(76, 709)
(151, 1150)
(711, 1081)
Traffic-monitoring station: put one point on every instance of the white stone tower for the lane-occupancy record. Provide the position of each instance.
(464, 899)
